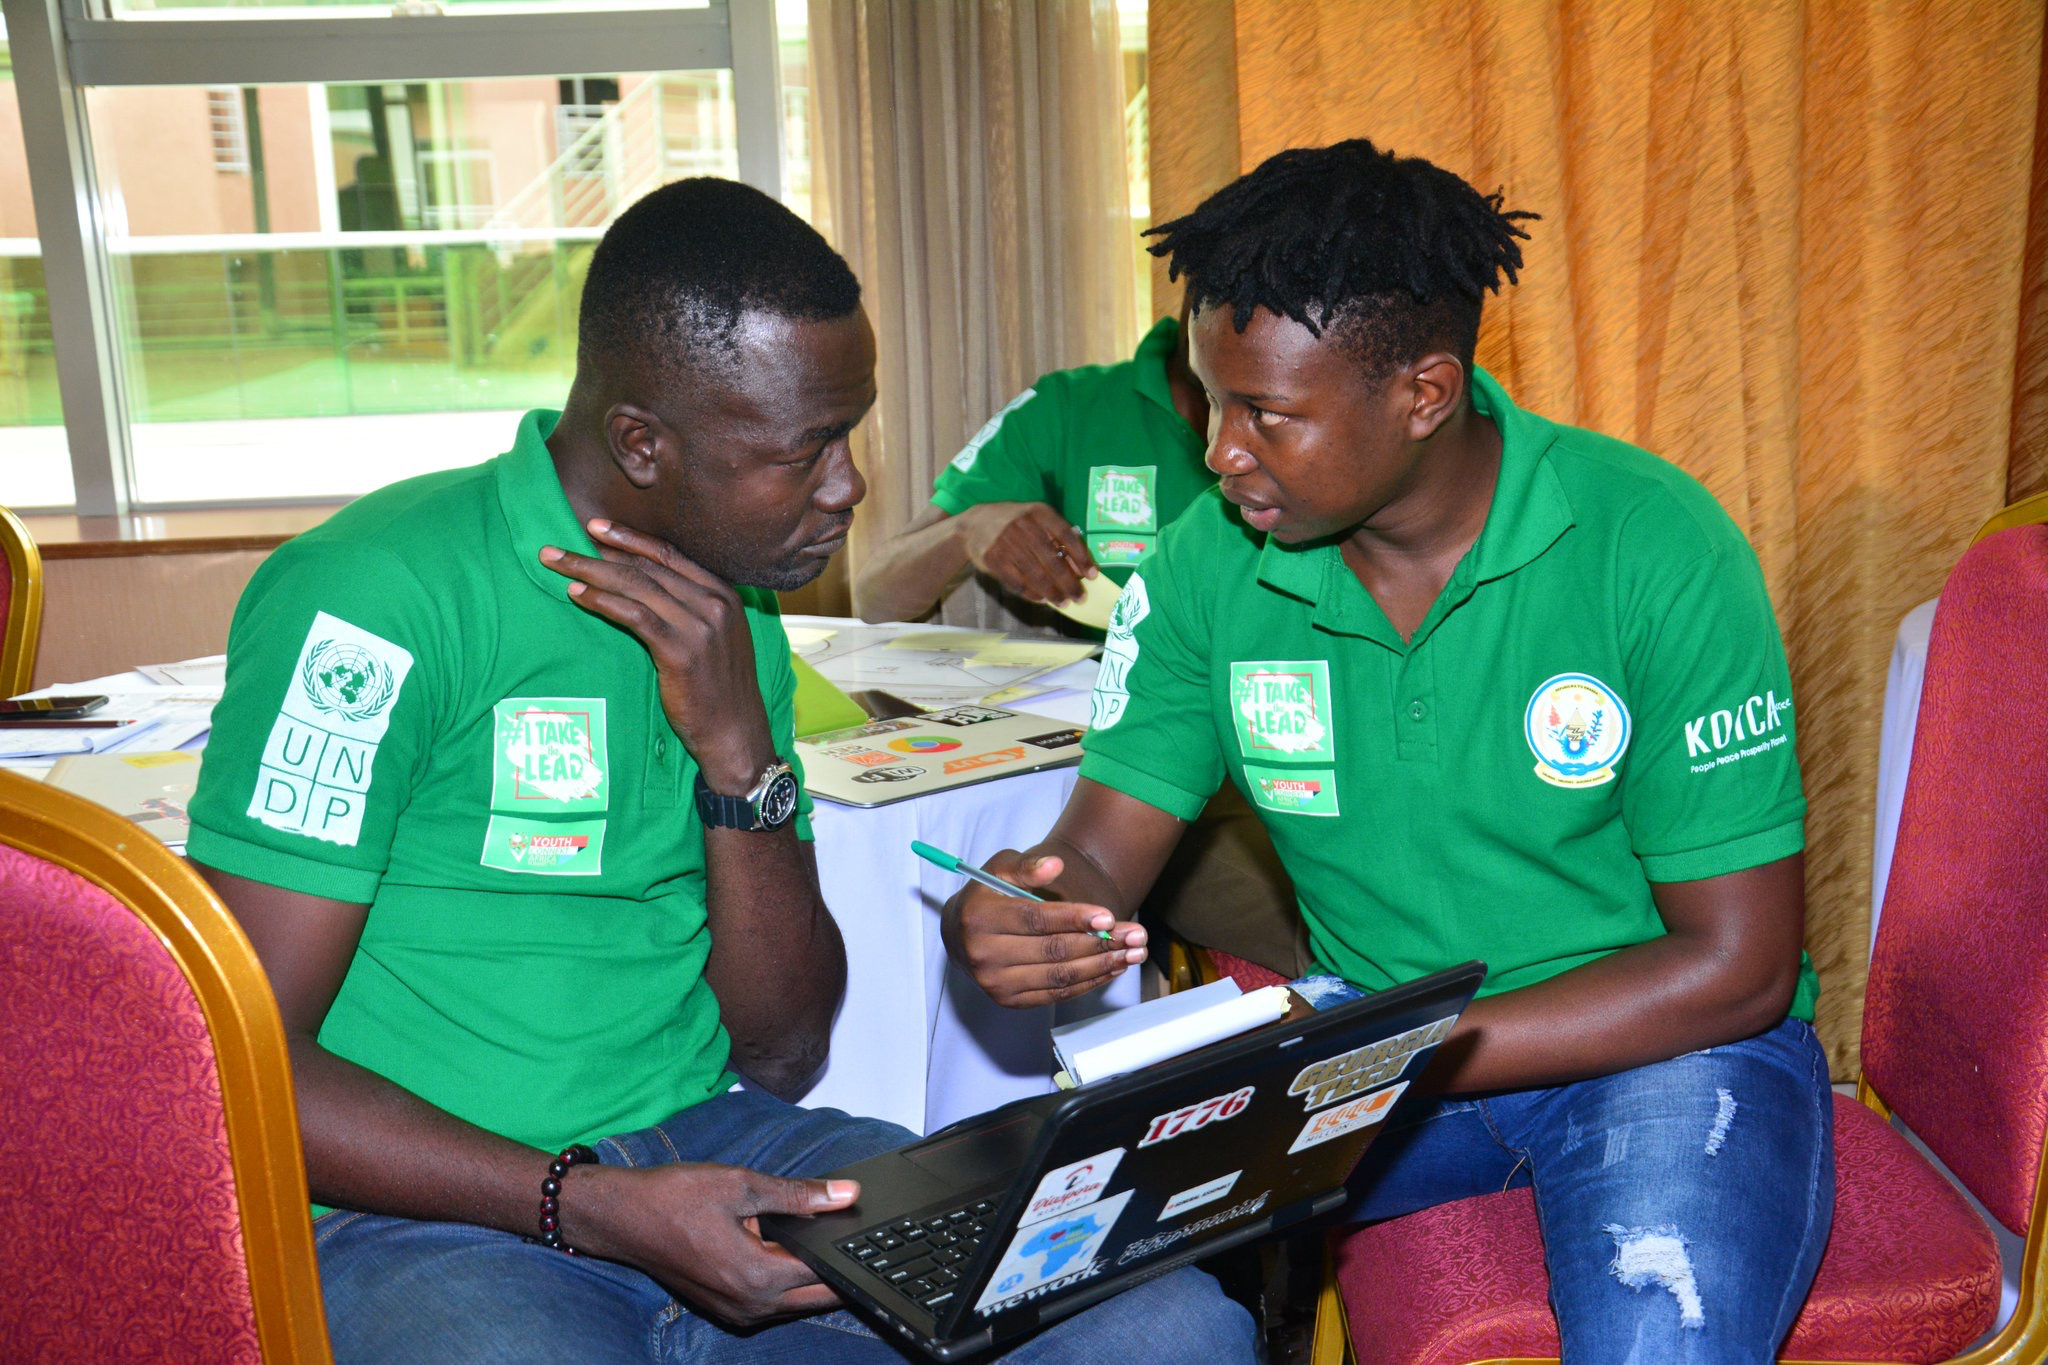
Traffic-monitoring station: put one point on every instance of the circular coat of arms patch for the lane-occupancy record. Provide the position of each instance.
(1578, 729)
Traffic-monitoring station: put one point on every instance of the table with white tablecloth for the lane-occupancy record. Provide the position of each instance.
(916, 1041)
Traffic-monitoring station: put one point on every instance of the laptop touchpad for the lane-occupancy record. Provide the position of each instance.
(979, 1154)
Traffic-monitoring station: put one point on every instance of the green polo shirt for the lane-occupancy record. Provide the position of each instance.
(418, 719)
(1103, 444)
(1598, 700)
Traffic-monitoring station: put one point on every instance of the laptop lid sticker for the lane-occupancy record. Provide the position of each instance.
(1070, 1186)
(1051, 1254)
(1208, 1192)
(1190, 1118)
(1362, 1068)
(1331, 1124)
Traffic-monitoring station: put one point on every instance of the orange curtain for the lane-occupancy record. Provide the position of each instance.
(1800, 250)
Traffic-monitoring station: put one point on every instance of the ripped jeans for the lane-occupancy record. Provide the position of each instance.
(1684, 1205)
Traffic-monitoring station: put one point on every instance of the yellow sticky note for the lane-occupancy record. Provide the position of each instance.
(947, 641)
(1098, 600)
(157, 760)
(1031, 654)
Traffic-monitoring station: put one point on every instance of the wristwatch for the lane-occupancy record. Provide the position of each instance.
(767, 805)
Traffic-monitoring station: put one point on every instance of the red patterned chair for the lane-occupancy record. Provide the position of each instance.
(157, 1199)
(21, 604)
(1955, 1041)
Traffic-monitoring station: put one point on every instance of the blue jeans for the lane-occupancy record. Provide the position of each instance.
(400, 1290)
(1684, 1205)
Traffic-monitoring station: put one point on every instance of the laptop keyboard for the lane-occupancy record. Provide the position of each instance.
(921, 1258)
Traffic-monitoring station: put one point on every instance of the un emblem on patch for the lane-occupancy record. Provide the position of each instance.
(1578, 729)
(345, 679)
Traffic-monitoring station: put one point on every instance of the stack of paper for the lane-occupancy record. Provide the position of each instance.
(1127, 1039)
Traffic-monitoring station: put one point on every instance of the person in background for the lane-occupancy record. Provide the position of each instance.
(1500, 689)
(1075, 478)
(503, 790)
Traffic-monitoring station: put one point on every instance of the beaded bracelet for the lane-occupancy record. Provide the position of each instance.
(551, 1193)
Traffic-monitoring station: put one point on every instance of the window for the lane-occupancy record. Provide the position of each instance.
(321, 266)
(391, 278)
(35, 468)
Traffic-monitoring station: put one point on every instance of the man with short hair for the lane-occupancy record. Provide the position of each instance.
(1500, 689)
(503, 791)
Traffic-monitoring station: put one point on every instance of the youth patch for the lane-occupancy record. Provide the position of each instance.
(1119, 655)
(546, 848)
(315, 774)
(1346, 1118)
(1578, 729)
(549, 754)
(1293, 791)
(1283, 709)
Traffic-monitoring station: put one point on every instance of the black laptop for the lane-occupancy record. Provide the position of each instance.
(981, 1233)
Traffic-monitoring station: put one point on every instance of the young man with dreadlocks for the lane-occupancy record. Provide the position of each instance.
(1500, 689)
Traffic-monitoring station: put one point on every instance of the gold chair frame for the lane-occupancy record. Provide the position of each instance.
(244, 1025)
(24, 605)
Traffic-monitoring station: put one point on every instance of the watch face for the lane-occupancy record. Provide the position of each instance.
(778, 803)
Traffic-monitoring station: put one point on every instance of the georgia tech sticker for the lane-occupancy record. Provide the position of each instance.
(1346, 1118)
(1362, 1068)
(1577, 728)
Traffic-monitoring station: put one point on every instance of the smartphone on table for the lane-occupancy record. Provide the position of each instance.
(20, 709)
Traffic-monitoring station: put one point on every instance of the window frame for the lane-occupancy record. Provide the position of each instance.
(62, 48)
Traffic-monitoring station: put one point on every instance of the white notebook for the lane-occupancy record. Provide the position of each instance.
(1127, 1039)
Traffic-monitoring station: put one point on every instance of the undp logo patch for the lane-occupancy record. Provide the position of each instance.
(1578, 729)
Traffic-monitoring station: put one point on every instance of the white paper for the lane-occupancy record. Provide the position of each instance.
(1168, 1026)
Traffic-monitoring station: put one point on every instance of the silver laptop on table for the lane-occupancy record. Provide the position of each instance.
(894, 760)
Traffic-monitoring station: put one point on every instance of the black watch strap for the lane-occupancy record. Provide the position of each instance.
(768, 806)
(723, 812)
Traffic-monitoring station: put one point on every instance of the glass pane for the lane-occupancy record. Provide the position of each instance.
(320, 289)
(35, 464)
(328, 9)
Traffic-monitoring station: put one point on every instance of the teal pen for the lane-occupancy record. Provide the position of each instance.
(940, 858)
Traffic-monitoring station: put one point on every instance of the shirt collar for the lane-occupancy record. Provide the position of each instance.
(537, 511)
(1528, 513)
(1151, 359)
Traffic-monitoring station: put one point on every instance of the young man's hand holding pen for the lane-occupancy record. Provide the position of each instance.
(993, 934)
